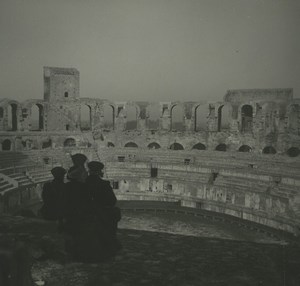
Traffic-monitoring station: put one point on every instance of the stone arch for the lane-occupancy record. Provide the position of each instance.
(6, 145)
(85, 117)
(293, 152)
(293, 118)
(199, 146)
(201, 115)
(269, 150)
(70, 142)
(131, 117)
(221, 147)
(12, 119)
(153, 114)
(177, 118)
(110, 144)
(223, 117)
(176, 146)
(131, 145)
(245, 148)
(153, 145)
(246, 118)
(108, 116)
(28, 144)
(47, 144)
(36, 117)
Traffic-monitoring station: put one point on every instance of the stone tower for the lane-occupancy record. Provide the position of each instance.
(61, 84)
(61, 92)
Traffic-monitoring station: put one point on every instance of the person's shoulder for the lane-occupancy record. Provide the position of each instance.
(47, 185)
(106, 183)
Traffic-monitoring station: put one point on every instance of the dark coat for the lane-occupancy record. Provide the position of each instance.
(77, 205)
(104, 201)
(100, 191)
(52, 196)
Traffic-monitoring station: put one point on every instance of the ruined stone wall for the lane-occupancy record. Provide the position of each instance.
(245, 124)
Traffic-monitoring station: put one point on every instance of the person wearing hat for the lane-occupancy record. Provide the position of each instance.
(79, 160)
(104, 204)
(99, 189)
(52, 195)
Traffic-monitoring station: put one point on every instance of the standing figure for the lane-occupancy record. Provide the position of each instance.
(77, 215)
(79, 160)
(104, 204)
(52, 195)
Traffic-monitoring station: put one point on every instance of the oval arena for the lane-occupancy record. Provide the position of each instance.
(231, 163)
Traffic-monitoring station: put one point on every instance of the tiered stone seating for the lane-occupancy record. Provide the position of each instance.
(10, 159)
(276, 165)
(22, 179)
(241, 183)
(166, 172)
(120, 170)
(5, 186)
(39, 176)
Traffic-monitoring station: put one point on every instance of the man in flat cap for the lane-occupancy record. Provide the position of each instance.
(52, 195)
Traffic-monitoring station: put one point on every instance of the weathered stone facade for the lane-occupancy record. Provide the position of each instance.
(262, 120)
(137, 143)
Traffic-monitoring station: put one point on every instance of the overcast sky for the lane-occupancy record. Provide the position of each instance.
(153, 50)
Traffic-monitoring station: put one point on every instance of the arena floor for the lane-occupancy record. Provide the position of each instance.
(189, 225)
(162, 249)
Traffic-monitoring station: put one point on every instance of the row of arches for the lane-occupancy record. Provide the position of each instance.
(36, 121)
(292, 152)
(71, 142)
(177, 117)
(153, 114)
(176, 114)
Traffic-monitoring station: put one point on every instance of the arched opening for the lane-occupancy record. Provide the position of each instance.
(247, 118)
(131, 117)
(6, 145)
(153, 117)
(293, 152)
(12, 121)
(223, 117)
(269, 150)
(37, 118)
(199, 146)
(294, 116)
(221, 147)
(245, 148)
(1, 112)
(176, 146)
(131, 145)
(28, 144)
(177, 118)
(70, 142)
(47, 144)
(66, 94)
(153, 145)
(201, 114)
(110, 144)
(85, 117)
(108, 116)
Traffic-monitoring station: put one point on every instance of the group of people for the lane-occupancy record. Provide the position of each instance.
(85, 208)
